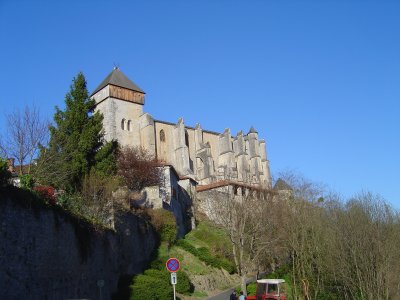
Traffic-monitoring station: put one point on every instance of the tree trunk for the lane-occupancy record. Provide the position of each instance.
(243, 284)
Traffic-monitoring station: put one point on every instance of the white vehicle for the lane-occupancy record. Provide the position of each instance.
(268, 289)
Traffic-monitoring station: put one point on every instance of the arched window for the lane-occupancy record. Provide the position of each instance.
(162, 135)
(129, 125)
(123, 124)
(186, 138)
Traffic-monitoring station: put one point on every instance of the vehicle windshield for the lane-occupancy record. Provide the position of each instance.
(272, 289)
(261, 287)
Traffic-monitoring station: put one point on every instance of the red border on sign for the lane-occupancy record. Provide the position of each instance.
(173, 259)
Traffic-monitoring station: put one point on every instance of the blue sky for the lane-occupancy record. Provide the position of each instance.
(319, 80)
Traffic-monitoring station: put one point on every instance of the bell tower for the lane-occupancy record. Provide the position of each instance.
(121, 103)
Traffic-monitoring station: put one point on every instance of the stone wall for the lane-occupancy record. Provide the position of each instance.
(47, 254)
(175, 195)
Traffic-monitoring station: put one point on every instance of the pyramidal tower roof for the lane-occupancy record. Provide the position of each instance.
(252, 130)
(116, 77)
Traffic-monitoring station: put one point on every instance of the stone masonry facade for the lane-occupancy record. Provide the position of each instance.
(204, 156)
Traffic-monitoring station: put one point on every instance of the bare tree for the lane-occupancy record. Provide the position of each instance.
(25, 132)
(50, 168)
(3, 151)
(346, 250)
(246, 216)
(367, 248)
(98, 201)
(302, 187)
(138, 168)
(307, 234)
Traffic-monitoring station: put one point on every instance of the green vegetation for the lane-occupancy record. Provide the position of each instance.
(210, 245)
(76, 143)
(199, 252)
(164, 223)
(212, 237)
(26, 181)
(204, 255)
(154, 283)
(78, 161)
(5, 175)
(328, 249)
(149, 287)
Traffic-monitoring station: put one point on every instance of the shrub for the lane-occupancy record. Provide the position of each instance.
(138, 168)
(46, 193)
(251, 288)
(183, 286)
(216, 239)
(5, 175)
(26, 181)
(204, 255)
(97, 201)
(155, 284)
(165, 224)
(149, 287)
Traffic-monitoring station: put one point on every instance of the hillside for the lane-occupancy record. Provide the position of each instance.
(205, 262)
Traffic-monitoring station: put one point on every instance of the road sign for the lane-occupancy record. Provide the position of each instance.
(100, 283)
(173, 278)
(173, 265)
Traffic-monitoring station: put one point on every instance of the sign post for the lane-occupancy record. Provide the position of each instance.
(100, 284)
(173, 266)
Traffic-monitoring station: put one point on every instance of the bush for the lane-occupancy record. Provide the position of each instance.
(164, 223)
(251, 288)
(138, 168)
(216, 239)
(156, 284)
(183, 286)
(5, 175)
(46, 193)
(204, 255)
(26, 181)
(149, 287)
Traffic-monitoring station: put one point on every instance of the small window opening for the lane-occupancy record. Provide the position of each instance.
(235, 190)
(129, 125)
(123, 124)
(162, 135)
(186, 138)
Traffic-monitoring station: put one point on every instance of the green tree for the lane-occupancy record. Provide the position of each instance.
(76, 142)
(5, 175)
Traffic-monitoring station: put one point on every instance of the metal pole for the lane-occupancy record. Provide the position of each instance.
(174, 292)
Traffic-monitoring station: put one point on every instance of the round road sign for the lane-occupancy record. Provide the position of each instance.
(173, 265)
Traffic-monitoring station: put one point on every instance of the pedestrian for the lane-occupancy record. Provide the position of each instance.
(233, 295)
(242, 297)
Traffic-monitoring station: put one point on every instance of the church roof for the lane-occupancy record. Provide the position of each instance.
(116, 77)
(252, 130)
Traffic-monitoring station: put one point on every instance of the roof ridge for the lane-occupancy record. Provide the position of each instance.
(117, 78)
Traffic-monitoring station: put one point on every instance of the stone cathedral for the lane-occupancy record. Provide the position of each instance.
(203, 155)
(195, 159)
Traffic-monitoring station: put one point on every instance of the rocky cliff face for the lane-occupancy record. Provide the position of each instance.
(46, 254)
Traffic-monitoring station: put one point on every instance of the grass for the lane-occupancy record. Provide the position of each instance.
(205, 235)
(200, 294)
(209, 236)
(189, 263)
